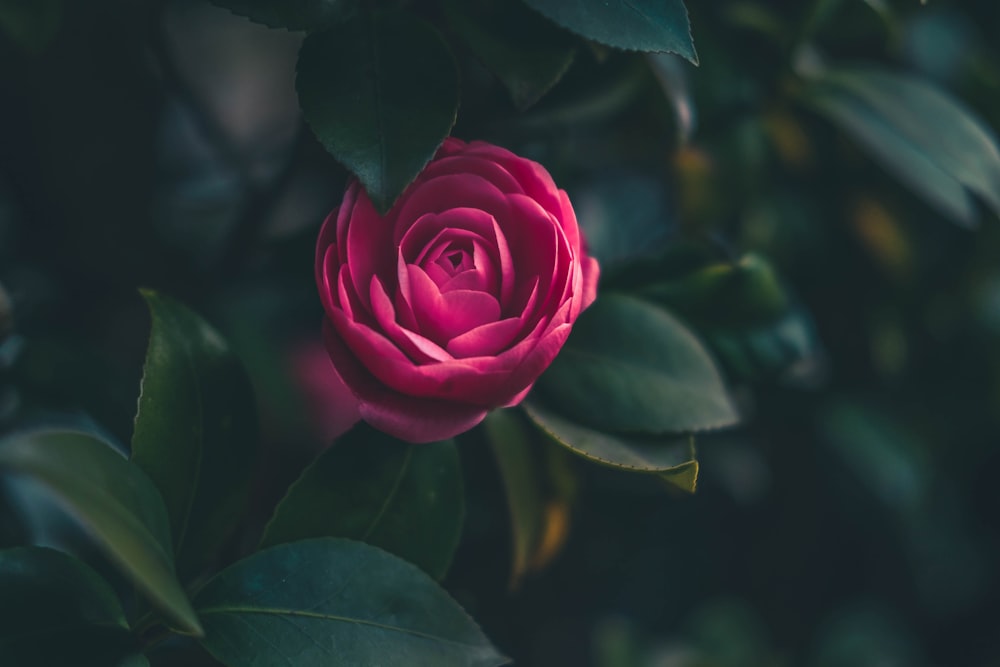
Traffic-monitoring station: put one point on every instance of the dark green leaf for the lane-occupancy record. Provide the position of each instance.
(195, 430)
(406, 499)
(526, 52)
(381, 94)
(636, 25)
(293, 14)
(925, 137)
(57, 612)
(672, 459)
(115, 501)
(332, 601)
(631, 367)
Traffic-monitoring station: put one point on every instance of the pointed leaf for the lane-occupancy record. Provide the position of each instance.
(636, 25)
(195, 430)
(672, 459)
(329, 601)
(925, 137)
(631, 367)
(381, 94)
(527, 53)
(115, 501)
(57, 612)
(373, 488)
(293, 14)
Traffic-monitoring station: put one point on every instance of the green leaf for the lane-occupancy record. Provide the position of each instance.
(672, 459)
(922, 135)
(540, 485)
(746, 291)
(293, 14)
(115, 501)
(332, 601)
(631, 367)
(381, 94)
(636, 25)
(56, 611)
(522, 482)
(195, 430)
(407, 499)
(527, 53)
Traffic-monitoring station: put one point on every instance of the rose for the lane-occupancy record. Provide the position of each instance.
(455, 301)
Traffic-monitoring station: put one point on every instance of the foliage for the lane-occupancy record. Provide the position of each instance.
(780, 287)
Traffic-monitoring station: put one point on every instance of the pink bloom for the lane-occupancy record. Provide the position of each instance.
(456, 300)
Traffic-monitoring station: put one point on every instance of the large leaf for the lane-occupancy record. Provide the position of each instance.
(539, 505)
(381, 94)
(637, 25)
(672, 459)
(526, 52)
(331, 601)
(293, 14)
(57, 612)
(195, 430)
(371, 487)
(115, 501)
(922, 135)
(631, 367)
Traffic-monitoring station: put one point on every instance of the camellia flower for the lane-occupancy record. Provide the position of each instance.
(455, 301)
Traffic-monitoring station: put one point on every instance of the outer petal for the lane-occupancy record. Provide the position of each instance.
(405, 417)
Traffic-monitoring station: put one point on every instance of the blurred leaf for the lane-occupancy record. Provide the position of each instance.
(56, 612)
(786, 348)
(672, 459)
(115, 501)
(636, 25)
(744, 291)
(293, 14)
(887, 458)
(381, 94)
(371, 487)
(195, 430)
(741, 308)
(925, 137)
(332, 601)
(31, 24)
(526, 52)
(539, 514)
(631, 367)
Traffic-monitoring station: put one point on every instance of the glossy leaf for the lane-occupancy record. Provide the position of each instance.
(527, 53)
(381, 94)
(293, 14)
(925, 137)
(195, 430)
(51, 602)
(672, 459)
(631, 367)
(332, 601)
(115, 501)
(636, 25)
(373, 488)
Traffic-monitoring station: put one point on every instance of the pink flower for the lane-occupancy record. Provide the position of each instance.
(455, 301)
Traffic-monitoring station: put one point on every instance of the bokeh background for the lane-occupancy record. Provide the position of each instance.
(852, 520)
